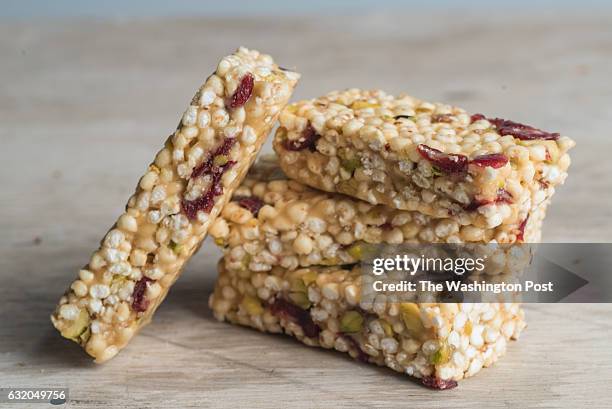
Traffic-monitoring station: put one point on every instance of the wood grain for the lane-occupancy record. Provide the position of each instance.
(84, 106)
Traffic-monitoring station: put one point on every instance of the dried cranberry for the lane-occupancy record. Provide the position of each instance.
(208, 167)
(361, 356)
(308, 139)
(494, 160)
(291, 312)
(441, 118)
(521, 230)
(447, 162)
(476, 117)
(206, 202)
(520, 131)
(386, 226)
(503, 196)
(252, 204)
(243, 92)
(139, 302)
(437, 383)
(475, 204)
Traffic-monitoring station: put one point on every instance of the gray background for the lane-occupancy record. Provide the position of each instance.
(88, 92)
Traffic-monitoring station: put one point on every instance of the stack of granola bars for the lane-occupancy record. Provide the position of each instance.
(353, 168)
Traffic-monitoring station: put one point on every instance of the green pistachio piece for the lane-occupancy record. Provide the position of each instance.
(78, 327)
(411, 316)
(309, 277)
(351, 321)
(387, 328)
(297, 285)
(355, 251)
(300, 299)
(252, 305)
(175, 247)
(84, 337)
(442, 355)
(220, 160)
(350, 164)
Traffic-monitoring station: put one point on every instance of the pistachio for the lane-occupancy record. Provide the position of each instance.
(78, 327)
(176, 248)
(355, 251)
(300, 299)
(246, 260)
(309, 277)
(297, 285)
(117, 280)
(442, 355)
(220, 160)
(350, 164)
(252, 305)
(387, 328)
(330, 261)
(411, 316)
(220, 242)
(351, 321)
(84, 337)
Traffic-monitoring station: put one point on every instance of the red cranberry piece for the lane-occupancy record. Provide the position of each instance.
(206, 168)
(243, 92)
(447, 162)
(476, 117)
(386, 226)
(494, 160)
(288, 311)
(503, 196)
(436, 383)
(521, 230)
(206, 202)
(139, 302)
(308, 139)
(522, 132)
(252, 204)
(361, 356)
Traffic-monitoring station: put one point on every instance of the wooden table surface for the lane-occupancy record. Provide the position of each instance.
(84, 106)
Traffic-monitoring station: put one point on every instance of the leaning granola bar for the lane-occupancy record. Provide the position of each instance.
(415, 155)
(321, 306)
(177, 199)
(284, 223)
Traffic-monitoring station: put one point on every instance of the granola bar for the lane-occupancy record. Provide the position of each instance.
(415, 155)
(176, 200)
(439, 343)
(272, 221)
